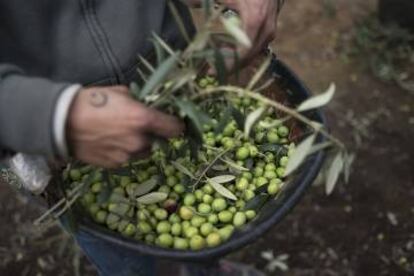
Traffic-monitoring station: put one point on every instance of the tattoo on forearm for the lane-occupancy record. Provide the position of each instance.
(98, 99)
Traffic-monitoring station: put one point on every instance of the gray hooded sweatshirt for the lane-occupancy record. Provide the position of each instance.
(48, 45)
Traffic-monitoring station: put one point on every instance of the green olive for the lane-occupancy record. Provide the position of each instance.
(225, 216)
(129, 230)
(213, 218)
(197, 243)
(258, 171)
(247, 175)
(272, 189)
(254, 151)
(240, 204)
(164, 189)
(190, 231)
(206, 229)
(97, 187)
(197, 221)
(248, 194)
(100, 216)
(204, 208)
(163, 227)
(283, 131)
(165, 240)
(270, 167)
(144, 227)
(189, 199)
(260, 181)
(75, 175)
(270, 174)
(283, 161)
(239, 219)
(226, 232)
(199, 194)
(242, 184)
(176, 229)
(219, 204)
(180, 243)
(171, 180)
(179, 188)
(250, 214)
(122, 225)
(280, 172)
(174, 218)
(161, 214)
(207, 189)
(185, 213)
(213, 239)
(169, 170)
(272, 137)
(208, 199)
(242, 153)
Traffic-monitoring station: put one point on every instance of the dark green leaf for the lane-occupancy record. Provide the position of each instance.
(220, 66)
(197, 116)
(159, 75)
(152, 198)
(257, 202)
(238, 117)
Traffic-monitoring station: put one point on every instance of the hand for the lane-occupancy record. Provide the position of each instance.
(106, 127)
(259, 19)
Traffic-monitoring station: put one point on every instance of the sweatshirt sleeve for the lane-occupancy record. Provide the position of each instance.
(27, 109)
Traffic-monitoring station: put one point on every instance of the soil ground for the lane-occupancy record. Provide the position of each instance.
(365, 227)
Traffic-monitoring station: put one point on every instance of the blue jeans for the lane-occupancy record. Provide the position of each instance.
(111, 260)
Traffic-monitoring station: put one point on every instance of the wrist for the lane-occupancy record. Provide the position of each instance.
(60, 119)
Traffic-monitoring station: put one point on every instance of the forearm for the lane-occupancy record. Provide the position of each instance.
(27, 112)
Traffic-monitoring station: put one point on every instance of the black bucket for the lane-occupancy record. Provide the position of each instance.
(271, 213)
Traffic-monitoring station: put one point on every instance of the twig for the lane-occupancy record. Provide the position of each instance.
(209, 166)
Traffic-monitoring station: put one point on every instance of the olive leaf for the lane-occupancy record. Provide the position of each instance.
(163, 44)
(220, 66)
(159, 75)
(252, 119)
(319, 100)
(179, 21)
(235, 31)
(221, 189)
(348, 161)
(182, 169)
(238, 117)
(146, 186)
(146, 63)
(299, 154)
(152, 198)
(334, 171)
(234, 165)
(223, 178)
(259, 74)
(134, 90)
(257, 202)
(198, 117)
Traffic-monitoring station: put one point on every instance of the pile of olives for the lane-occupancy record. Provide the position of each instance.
(194, 214)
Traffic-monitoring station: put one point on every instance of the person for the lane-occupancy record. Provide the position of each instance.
(64, 71)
